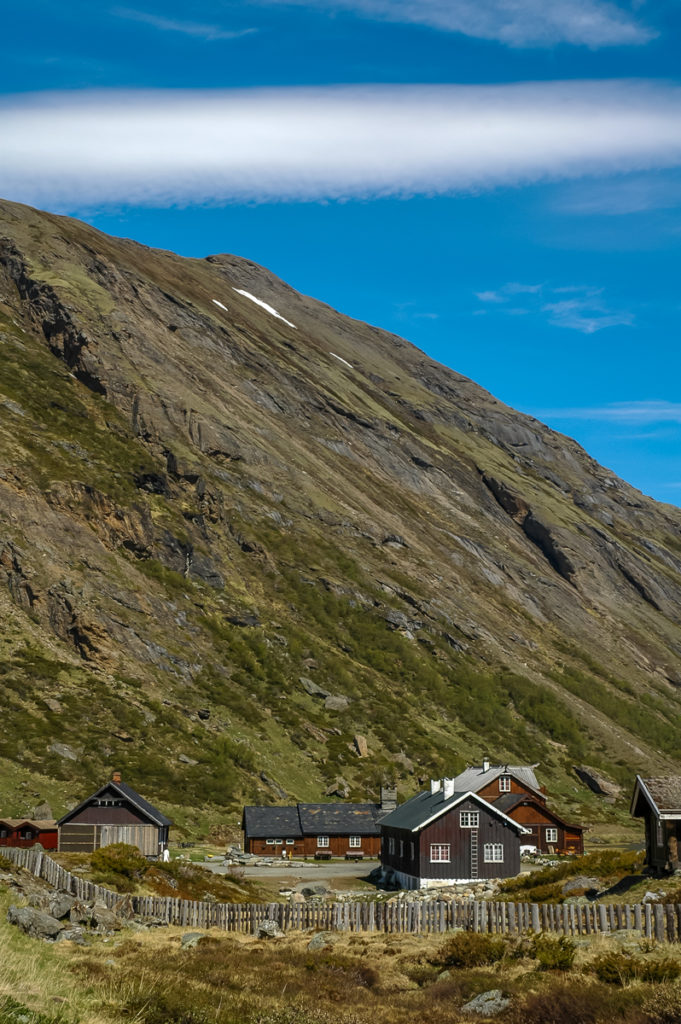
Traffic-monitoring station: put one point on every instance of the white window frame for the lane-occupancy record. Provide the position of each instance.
(504, 783)
(354, 842)
(436, 849)
(551, 834)
(270, 842)
(411, 847)
(469, 819)
(493, 853)
(322, 842)
(401, 847)
(290, 842)
(278, 842)
(391, 844)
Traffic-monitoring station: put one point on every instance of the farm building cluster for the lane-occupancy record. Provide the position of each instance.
(473, 826)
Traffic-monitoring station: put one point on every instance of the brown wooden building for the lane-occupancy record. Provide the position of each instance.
(114, 814)
(515, 790)
(316, 830)
(445, 836)
(658, 802)
(25, 832)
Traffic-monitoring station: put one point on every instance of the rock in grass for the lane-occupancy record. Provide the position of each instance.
(270, 930)
(487, 1004)
(34, 922)
(322, 940)
(191, 939)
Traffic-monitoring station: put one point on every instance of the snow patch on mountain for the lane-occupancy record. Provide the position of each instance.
(265, 305)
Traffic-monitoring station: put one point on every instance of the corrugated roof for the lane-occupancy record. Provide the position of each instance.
(425, 807)
(272, 822)
(475, 778)
(339, 819)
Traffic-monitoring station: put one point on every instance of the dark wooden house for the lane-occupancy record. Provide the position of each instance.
(24, 832)
(316, 830)
(658, 802)
(515, 790)
(447, 836)
(114, 814)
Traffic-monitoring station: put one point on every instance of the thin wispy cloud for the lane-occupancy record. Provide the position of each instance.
(586, 309)
(518, 23)
(620, 197)
(200, 30)
(336, 142)
(636, 412)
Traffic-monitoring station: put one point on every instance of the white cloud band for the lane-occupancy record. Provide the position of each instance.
(157, 147)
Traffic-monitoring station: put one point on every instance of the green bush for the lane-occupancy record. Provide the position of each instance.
(471, 949)
(119, 865)
(622, 968)
(554, 954)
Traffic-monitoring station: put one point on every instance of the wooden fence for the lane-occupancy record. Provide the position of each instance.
(661, 922)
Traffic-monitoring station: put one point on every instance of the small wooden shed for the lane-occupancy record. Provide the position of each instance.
(658, 801)
(116, 813)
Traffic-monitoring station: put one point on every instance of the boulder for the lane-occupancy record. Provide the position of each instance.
(64, 751)
(104, 919)
(191, 939)
(123, 908)
(321, 941)
(76, 935)
(580, 882)
(60, 905)
(361, 746)
(314, 890)
(312, 688)
(336, 703)
(43, 812)
(597, 781)
(270, 930)
(80, 913)
(338, 788)
(34, 922)
(487, 1004)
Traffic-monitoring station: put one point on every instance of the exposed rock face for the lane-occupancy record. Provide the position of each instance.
(200, 509)
(34, 922)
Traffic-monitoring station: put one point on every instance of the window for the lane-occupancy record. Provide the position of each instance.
(391, 845)
(504, 783)
(469, 819)
(355, 841)
(322, 841)
(493, 853)
(26, 834)
(270, 842)
(3, 833)
(401, 847)
(290, 842)
(278, 842)
(439, 852)
(551, 835)
(411, 847)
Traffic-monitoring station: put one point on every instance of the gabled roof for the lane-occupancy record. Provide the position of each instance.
(475, 778)
(423, 808)
(662, 793)
(509, 801)
(128, 793)
(271, 822)
(340, 819)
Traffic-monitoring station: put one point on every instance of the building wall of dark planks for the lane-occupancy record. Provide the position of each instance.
(307, 846)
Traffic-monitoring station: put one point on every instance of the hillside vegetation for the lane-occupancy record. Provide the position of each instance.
(209, 519)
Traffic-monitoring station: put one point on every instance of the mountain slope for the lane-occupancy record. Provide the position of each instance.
(204, 501)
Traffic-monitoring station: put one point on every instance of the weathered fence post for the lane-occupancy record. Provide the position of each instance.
(534, 910)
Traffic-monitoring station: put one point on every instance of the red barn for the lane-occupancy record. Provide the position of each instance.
(24, 832)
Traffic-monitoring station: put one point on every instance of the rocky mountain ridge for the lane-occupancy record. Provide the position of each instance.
(215, 491)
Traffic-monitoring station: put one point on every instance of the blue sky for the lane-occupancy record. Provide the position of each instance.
(498, 182)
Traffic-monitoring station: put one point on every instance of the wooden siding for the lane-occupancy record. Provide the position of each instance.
(537, 817)
(492, 792)
(47, 838)
(82, 837)
(95, 815)
(447, 829)
(307, 846)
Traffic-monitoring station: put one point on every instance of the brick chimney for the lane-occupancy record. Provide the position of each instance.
(116, 777)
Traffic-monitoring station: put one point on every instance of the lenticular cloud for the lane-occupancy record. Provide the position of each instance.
(159, 147)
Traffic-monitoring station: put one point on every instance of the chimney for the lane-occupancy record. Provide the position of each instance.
(388, 798)
(485, 764)
(435, 786)
(116, 777)
(448, 788)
